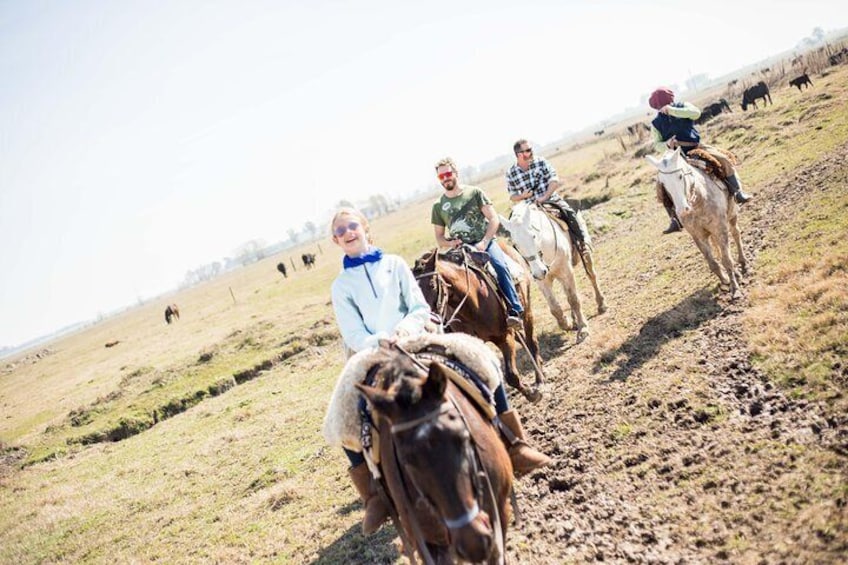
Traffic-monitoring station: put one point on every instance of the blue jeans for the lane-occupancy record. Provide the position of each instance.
(498, 260)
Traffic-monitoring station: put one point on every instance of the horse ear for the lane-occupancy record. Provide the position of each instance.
(653, 160)
(436, 382)
(379, 399)
(507, 225)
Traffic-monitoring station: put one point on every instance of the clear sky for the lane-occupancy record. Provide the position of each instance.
(141, 139)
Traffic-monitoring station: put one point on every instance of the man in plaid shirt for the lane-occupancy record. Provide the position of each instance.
(535, 179)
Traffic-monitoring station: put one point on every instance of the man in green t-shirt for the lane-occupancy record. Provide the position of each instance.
(469, 217)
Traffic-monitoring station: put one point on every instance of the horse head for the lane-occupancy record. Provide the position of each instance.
(433, 446)
(677, 178)
(526, 235)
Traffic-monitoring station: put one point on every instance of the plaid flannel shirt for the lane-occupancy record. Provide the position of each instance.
(538, 177)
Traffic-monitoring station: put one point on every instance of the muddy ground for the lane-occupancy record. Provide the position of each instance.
(716, 466)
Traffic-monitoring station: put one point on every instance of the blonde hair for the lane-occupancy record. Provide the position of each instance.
(353, 212)
(447, 162)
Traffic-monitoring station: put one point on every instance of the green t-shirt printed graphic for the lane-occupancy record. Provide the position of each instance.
(461, 214)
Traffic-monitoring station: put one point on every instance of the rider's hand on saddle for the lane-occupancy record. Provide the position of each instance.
(483, 244)
(454, 243)
(387, 343)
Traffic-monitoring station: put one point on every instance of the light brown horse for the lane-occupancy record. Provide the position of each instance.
(706, 211)
(443, 464)
(468, 302)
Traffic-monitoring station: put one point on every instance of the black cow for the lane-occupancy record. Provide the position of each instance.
(308, 260)
(713, 110)
(801, 80)
(599, 133)
(282, 268)
(759, 90)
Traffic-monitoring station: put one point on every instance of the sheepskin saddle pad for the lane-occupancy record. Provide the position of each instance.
(342, 425)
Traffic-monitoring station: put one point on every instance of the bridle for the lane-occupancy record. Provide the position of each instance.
(688, 184)
(475, 470)
(539, 255)
(442, 288)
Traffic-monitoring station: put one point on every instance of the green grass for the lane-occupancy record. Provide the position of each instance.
(240, 472)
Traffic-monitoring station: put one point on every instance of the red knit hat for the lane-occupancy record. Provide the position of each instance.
(661, 97)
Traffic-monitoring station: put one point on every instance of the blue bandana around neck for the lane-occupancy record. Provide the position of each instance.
(373, 255)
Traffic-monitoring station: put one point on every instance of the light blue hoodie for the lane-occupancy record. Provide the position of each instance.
(373, 300)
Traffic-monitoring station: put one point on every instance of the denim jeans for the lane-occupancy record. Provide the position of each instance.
(498, 260)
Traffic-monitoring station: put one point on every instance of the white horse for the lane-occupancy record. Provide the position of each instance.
(538, 236)
(706, 210)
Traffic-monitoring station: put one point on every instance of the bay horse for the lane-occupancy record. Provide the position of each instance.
(549, 251)
(707, 211)
(443, 463)
(171, 313)
(467, 301)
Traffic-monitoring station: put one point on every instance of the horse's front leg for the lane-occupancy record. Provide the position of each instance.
(723, 241)
(569, 285)
(737, 239)
(507, 347)
(533, 345)
(563, 319)
(701, 240)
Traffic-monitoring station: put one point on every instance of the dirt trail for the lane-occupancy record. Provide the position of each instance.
(651, 470)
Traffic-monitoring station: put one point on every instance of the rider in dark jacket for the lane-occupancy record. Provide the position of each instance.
(674, 126)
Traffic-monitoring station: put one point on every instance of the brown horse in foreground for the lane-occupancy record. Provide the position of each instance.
(467, 303)
(443, 464)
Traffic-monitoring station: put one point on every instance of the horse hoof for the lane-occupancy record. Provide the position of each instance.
(602, 309)
(534, 395)
(582, 335)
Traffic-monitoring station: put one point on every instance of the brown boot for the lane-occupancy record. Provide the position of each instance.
(375, 510)
(524, 458)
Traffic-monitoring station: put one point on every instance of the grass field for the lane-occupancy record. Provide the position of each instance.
(200, 441)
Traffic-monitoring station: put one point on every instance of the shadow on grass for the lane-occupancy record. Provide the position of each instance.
(354, 548)
(656, 332)
(551, 345)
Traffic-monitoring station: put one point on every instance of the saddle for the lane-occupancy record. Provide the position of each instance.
(479, 262)
(705, 161)
(342, 424)
(555, 214)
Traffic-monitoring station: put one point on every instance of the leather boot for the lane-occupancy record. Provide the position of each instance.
(736, 190)
(524, 458)
(675, 223)
(376, 512)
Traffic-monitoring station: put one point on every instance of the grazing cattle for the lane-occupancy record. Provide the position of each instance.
(838, 57)
(713, 110)
(638, 130)
(308, 260)
(282, 268)
(599, 133)
(732, 83)
(803, 80)
(759, 90)
(706, 211)
(172, 313)
(112, 343)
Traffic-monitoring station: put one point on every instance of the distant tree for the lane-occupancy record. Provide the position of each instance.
(250, 252)
(818, 35)
(293, 236)
(345, 204)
